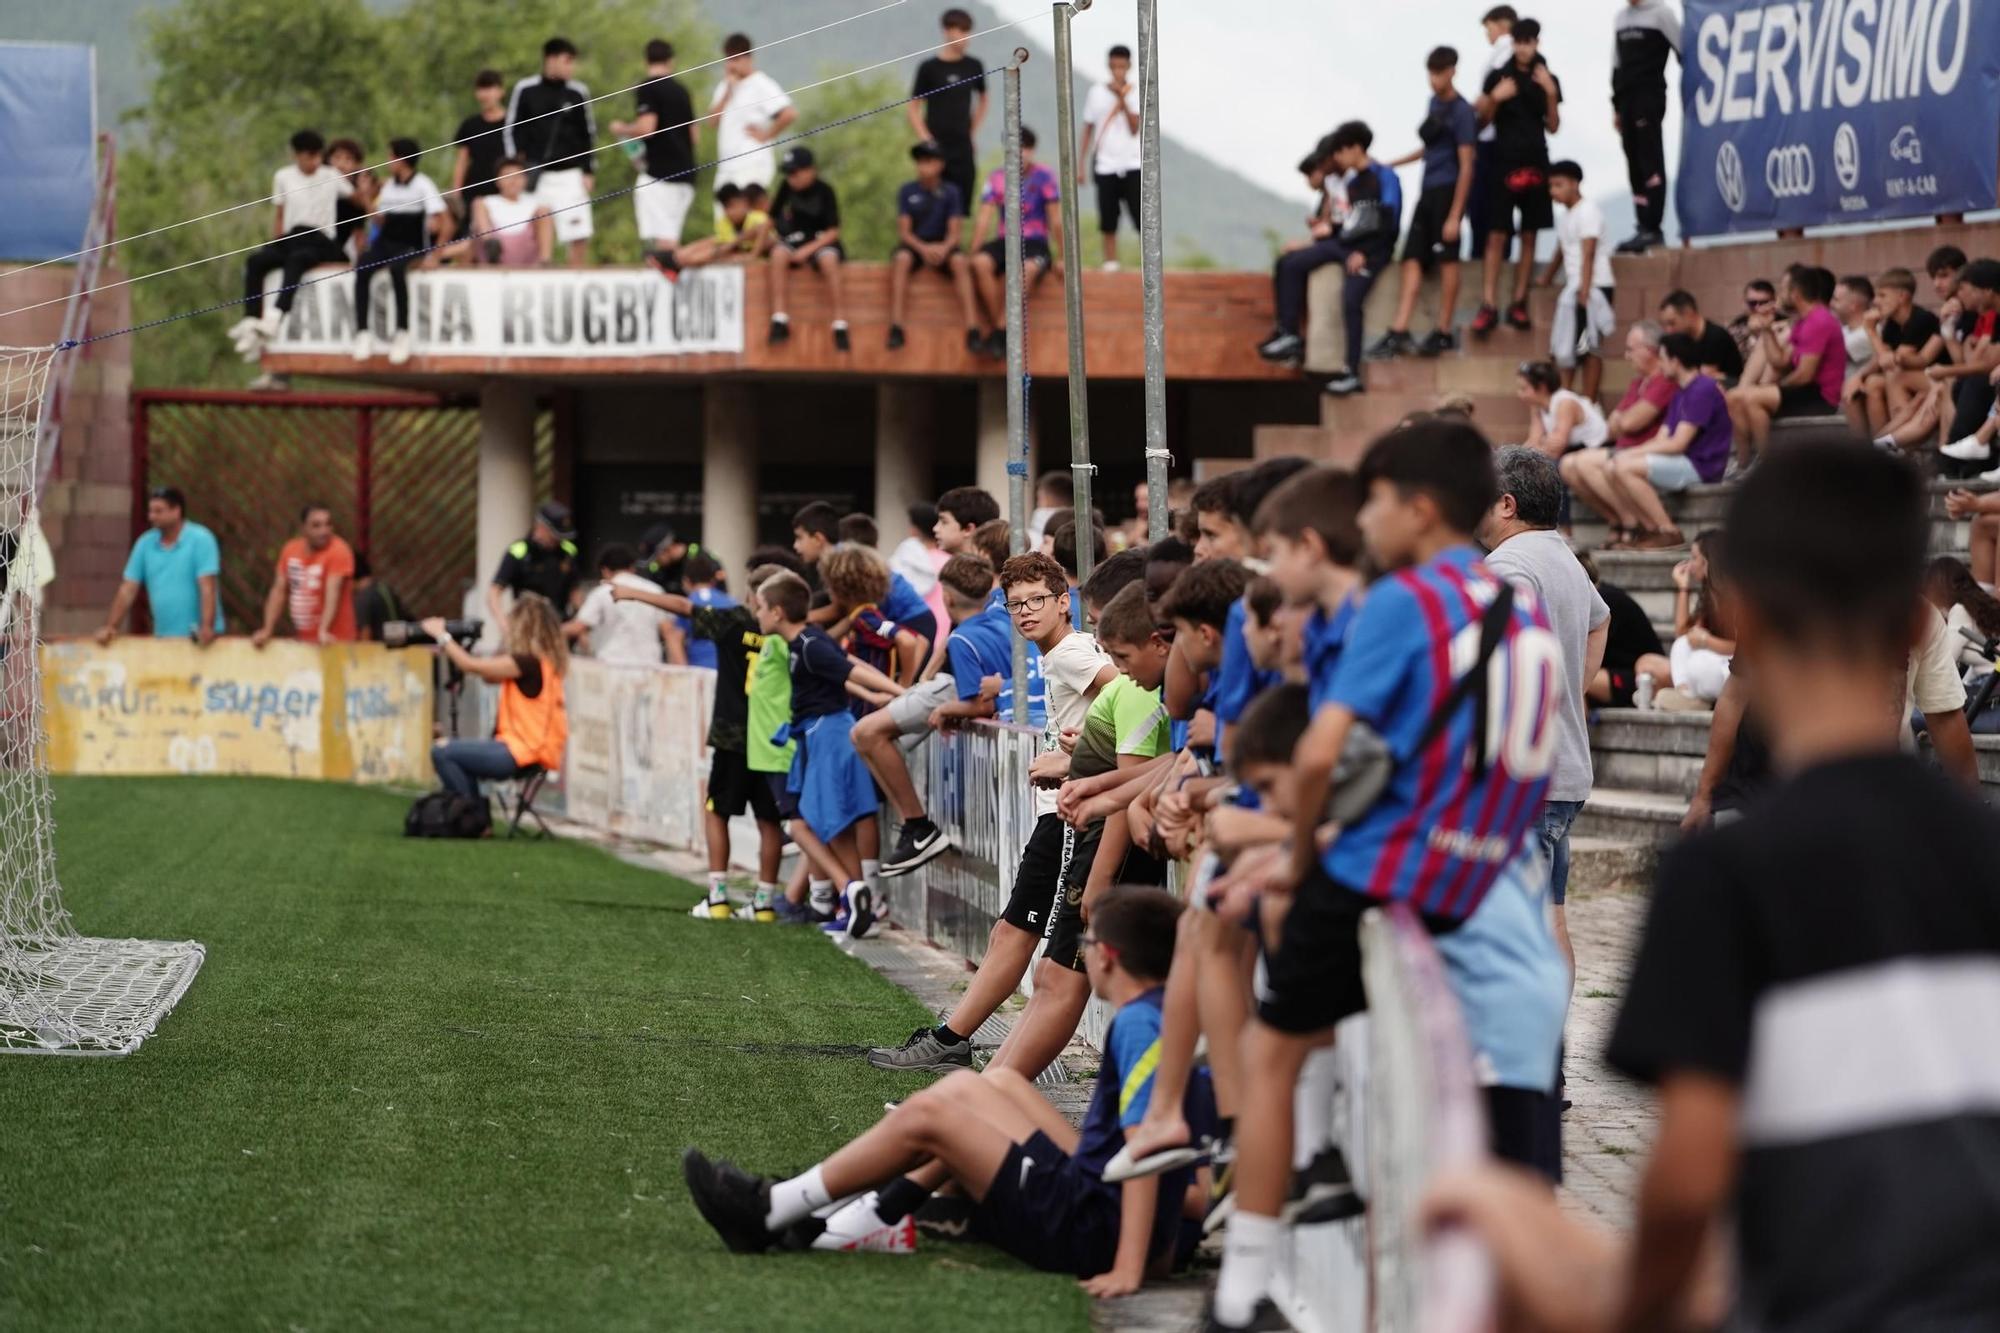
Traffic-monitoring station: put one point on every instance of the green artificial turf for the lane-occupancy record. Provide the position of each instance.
(441, 1084)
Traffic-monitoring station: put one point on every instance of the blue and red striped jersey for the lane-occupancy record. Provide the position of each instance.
(1441, 834)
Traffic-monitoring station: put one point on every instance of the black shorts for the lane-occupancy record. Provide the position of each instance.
(917, 258)
(1064, 935)
(1526, 1129)
(1034, 250)
(1624, 685)
(813, 258)
(1114, 192)
(1524, 190)
(1426, 244)
(733, 788)
(1802, 400)
(1045, 1211)
(783, 799)
(1312, 979)
(1038, 876)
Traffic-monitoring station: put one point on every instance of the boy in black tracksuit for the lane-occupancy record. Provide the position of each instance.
(1649, 33)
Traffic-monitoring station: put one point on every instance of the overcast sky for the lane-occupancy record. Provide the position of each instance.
(1254, 82)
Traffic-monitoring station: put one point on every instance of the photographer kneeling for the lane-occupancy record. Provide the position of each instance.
(533, 724)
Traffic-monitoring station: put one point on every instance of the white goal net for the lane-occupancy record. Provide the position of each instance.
(60, 992)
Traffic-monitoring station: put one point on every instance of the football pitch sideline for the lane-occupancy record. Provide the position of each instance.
(442, 1084)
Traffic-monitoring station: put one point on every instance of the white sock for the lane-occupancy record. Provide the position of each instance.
(1249, 1254)
(840, 323)
(793, 1200)
(820, 891)
(766, 893)
(780, 317)
(718, 885)
(1312, 1105)
(871, 873)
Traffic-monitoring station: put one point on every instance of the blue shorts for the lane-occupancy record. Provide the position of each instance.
(1553, 831)
(834, 787)
(1046, 1212)
(1671, 472)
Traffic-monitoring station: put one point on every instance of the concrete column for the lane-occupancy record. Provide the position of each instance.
(903, 462)
(991, 467)
(729, 473)
(506, 471)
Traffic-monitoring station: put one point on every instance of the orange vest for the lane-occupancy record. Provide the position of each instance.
(534, 730)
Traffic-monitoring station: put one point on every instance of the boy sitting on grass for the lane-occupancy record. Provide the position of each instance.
(827, 777)
(1036, 1182)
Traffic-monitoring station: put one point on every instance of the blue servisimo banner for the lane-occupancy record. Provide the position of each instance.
(1799, 113)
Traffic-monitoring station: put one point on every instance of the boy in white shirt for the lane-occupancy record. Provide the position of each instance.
(413, 220)
(1111, 126)
(1584, 317)
(750, 110)
(622, 633)
(305, 195)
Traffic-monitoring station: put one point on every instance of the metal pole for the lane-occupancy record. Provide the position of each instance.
(1017, 363)
(1151, 261)
(1079, 404)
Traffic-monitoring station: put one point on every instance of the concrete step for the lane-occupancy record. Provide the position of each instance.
(1626, 815)
(1610, 865)
(1649, 751)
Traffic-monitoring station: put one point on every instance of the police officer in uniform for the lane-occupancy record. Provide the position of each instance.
(666, 558)
(544, 561)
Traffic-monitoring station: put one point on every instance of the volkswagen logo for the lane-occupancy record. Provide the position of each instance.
(1789, 171)
(1846, 157)
(1729, 177)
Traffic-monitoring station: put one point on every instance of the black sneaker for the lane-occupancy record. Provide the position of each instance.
(1484, 321)
(1323, 1192)
(731, 1200)
(1282, 347)
(996, 344)
(918, 841)
(860, 911)
(1265, 1319)
(1641, 242)
(975, 341)
(840, 341)
(1437, 342)
(666, 263)
(1345, 385)
(1517, 317)
(945, 1217)
(781, 331)
(1391, 345)
(923, 1053)
(895, 337)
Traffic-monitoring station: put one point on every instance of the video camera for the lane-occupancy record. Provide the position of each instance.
(404, 633)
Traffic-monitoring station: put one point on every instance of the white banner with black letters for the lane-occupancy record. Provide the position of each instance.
(496, 312)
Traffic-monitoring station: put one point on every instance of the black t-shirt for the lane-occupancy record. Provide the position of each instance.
(733, 631)
(552, 572)
(482, 140)
(375, 607)
(1631, 634)
(1836, 956)
(819, 675)
(800, 215)
(1718, 349)
(1520, 124)
(1918, 329)
(949, 114)
(670, 148)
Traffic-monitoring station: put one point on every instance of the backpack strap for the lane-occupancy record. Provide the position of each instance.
(1492, 629)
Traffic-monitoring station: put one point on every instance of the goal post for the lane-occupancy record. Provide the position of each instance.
(60, 992)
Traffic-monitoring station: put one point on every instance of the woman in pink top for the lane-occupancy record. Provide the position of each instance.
(510, 228)
(1816, 354)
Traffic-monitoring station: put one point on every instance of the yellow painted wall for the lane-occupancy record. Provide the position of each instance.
(353, 713)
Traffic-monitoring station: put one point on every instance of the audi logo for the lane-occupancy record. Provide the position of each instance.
(1789, 171)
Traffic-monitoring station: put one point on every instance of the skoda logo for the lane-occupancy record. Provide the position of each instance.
(1789, 171)
(1847, 157)
(1729, 177)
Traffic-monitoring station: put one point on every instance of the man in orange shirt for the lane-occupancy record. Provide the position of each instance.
(314, 582)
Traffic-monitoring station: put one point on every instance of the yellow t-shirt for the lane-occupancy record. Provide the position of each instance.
(725, 230)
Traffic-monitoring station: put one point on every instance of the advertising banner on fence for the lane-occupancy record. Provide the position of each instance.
(500, 312)
(358, 713)
(636, 750)
(1799, 113)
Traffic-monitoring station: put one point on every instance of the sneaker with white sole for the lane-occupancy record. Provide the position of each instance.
(923, 1053)
(399, 347)
(858, 1229)
(269, 324)
(860, 911)
(918, 842)
(1968, 450)
(364, 346)
(1992, 476)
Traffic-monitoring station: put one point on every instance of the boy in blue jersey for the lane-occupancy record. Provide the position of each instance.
(1036, 1182)
(1441, 660)
(700, 574)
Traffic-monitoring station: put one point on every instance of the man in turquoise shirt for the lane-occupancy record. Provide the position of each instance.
(179, 565)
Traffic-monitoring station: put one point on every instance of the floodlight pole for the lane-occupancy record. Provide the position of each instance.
(1151, 262)
(1017, 361)
(1079, 403)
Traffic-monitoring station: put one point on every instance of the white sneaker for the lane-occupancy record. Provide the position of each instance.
(1992, 476)
(1968, 450)
(270, 383)
(268, 326)
(1111, 266)
(364, 347)
(858, 1228)
(399, 347)
(243, 332)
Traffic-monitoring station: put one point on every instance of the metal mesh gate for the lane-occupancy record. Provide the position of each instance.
(399, 472)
